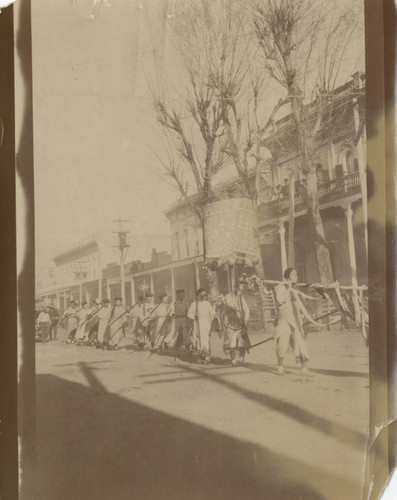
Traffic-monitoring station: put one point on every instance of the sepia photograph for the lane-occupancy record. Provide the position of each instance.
(198, 200)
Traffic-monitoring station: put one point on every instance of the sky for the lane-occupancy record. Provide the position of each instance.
(95, 135)
(93, 123)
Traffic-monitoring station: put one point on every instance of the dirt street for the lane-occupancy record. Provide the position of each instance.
(131, 425)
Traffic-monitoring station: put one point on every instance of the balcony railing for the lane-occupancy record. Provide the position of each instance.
(338, 188)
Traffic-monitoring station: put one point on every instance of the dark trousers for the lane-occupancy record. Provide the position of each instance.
(44, 331)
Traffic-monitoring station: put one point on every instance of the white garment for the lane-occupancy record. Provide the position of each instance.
(44, 317)
(202, 323)
(103, 315)
(116, 328)
(81, 317)
(287, 326)
(70, 314)
(233, 337)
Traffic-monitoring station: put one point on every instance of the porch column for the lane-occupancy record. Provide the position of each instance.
(108, 290)
(80, 292)
(151, 284)
(352, 256)
(64, 299)
(197, 274)
(362, 166)
(284, 261)
(172, 281)
(122, 281)
(57, 301)
(133, 298)
(99, 277)
(87, 296)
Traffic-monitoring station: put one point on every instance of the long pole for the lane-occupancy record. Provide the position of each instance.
(197, 315)
(122, 277)
(100, 285)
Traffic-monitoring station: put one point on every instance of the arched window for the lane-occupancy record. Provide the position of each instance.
(187, 242)
(350, 163)
(197, 242)
(322, 174)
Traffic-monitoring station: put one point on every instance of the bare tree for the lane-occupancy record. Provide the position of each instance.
(306, 47)
(216, 115)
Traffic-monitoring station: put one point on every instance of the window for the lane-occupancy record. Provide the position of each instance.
(187, 242)
(339, 171)
(322, 174)
(197, 242)
(350, 164)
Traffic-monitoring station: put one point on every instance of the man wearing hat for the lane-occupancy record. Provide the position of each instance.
(182, 333)
(92, 323)
(148, 321)
(203, 314)
(235, 316)
(116, 324)
(44, 323)
(162, 325)
(72, 322)
(104, 315)
(81, 315)
(136, 317)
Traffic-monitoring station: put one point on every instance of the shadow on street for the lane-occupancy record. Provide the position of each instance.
(93, 444)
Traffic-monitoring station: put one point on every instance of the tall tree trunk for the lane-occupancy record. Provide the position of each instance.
(291, 220)
(259, 270)
(317, 229)
(307, 148)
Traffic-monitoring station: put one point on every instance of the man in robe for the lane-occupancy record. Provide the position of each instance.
(92, 323)
(289, 326)
(104, 316)
(82, 325)
(44, 323)
(235, 316)
(148, 322)
(117, 323)
(181, 333)
(162, 314)
(203, 314)
(72, 321)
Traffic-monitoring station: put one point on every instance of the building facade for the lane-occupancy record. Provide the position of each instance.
(341, 175)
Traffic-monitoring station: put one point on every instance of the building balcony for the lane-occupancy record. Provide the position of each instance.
(334, 190)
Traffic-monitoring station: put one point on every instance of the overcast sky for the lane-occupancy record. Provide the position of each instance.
(94, 129)
(93, 125)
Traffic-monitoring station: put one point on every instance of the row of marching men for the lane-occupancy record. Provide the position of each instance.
(170, 326)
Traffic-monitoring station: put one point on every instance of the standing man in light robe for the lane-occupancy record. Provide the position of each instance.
(72, 321)
(148, 322)
(92, 323)
(203, 314)
(289, 326)
(163, 317)
(180, 334)
(82, 325)
(104, 315)
(117, 323)
(44, 323)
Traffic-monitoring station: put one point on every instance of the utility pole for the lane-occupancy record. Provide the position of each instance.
(123, 247)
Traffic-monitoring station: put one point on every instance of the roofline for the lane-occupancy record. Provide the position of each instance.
(78, 248)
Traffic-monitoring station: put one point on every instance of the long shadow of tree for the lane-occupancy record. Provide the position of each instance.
(326, 426)
(96, 445)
